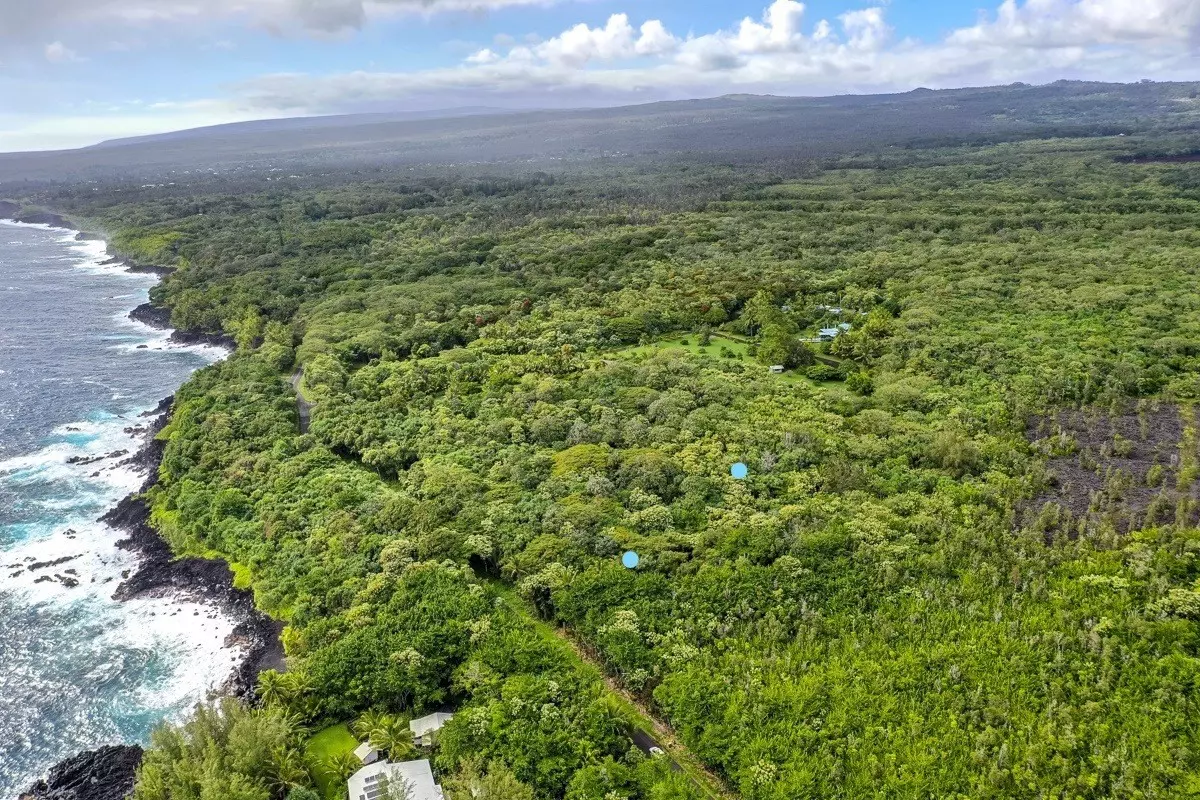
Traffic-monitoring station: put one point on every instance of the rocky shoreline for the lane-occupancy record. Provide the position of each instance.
(104, 774)
(207, 581)
(108, 773)
(160, 318)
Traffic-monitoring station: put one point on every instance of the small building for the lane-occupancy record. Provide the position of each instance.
(828, 334)
(777, 369)
(424, 728)
(417, 777)
(835, 310)
(366, 754)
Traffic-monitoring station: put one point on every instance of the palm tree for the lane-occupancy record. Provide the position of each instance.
(342, 765)
(287, 770)
(297, 684)
(272, 688)
(297, 725)
(370, 722)
(395, 739)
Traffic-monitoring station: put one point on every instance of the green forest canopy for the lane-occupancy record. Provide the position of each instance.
(887, 606)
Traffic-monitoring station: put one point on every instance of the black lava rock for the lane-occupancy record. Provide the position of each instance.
(105, 774)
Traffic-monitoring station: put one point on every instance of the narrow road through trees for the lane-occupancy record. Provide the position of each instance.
(303, 407)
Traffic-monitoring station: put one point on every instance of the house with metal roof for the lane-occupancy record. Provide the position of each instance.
(366, 754)
(424, 728)
(829, 334)
(416, 778)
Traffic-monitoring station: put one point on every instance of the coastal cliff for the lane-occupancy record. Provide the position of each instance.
(109, 772)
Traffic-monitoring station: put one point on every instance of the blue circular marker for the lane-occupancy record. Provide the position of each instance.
(631, 560)
(739, 471)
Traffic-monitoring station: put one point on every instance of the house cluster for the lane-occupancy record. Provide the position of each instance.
(377, 773)
(829, 334)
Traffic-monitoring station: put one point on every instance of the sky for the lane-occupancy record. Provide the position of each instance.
(76, 72)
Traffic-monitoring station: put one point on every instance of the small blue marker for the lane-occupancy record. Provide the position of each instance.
(739, 471)
(631, 560)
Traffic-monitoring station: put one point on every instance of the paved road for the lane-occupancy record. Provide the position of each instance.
(645, 742)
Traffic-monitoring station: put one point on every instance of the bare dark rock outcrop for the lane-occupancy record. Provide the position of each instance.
(104, 774)
(160, 318)
(1122, 471)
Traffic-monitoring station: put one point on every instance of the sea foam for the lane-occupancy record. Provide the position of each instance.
(80, 668)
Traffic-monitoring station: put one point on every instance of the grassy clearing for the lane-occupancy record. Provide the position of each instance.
(327, 744)
(723, 347)
(719, 347)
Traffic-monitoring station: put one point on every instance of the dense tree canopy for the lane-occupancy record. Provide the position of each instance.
(517, 380)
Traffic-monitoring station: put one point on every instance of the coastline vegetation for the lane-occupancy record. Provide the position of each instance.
(509, 391)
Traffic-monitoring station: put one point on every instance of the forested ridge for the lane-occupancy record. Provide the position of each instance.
(933, 582)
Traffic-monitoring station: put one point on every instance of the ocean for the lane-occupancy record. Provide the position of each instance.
(78, 669)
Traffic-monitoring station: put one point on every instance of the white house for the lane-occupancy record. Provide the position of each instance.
(366, 754)
(424, 728)
(415, 776)
(777, 369)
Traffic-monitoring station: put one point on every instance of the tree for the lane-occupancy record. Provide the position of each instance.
(287, 770)
(342, 765)
(393, 786)
(369, 723)
(394, 737)
(493, 781)
(303, 793)
(224, 750)
(272, 688)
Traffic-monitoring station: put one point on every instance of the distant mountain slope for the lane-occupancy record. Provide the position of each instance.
(292, 124)
(742, 126)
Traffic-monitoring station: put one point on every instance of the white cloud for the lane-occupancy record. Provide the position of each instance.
(580, 45)
(1067, 23)
(866, 29)
(484, 56)
(782, 51)
(57, 53)
(20, 18)
(779, 30)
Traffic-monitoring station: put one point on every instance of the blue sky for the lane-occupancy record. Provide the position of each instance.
(73, 72)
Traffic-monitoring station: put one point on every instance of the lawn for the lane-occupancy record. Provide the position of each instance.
(328, 743)
(723, 347)
(719, 347)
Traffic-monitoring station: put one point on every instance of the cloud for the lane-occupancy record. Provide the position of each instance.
(580, 45)
(782, 51)
(22, 18)
(57, 53)
(1081, 23)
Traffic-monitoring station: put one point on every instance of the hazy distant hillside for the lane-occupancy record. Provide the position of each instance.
(745, 126)
(293, 124)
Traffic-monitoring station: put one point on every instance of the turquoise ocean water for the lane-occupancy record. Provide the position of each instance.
(77, 669)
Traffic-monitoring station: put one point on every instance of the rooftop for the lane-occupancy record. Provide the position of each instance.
(417, 776)
(426, 725)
